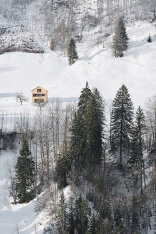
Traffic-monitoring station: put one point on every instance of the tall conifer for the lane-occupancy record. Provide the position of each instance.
(25, 170)
(121, 122)
(120, 40)
(136, 161)
(71, 52)
(62, 215)
(87, 130)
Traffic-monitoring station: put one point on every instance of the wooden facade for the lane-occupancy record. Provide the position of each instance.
(39, 95)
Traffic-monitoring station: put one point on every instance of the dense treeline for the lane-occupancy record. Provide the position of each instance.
(114, 211)
(111, 174)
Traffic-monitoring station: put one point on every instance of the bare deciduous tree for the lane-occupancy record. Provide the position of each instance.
(21, 98)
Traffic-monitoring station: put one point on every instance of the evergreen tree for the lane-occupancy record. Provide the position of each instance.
(75, 148)
(83, 99)
(118, 220)
(100, 123)
(137, 139)
(94, 131)
(87, 130)
(62, 168)
(120, 40)
(81, 216)
(135, 222)
(78, 132)
(93, 226)
(136, 161)
(62, 216)
(25, 170)
(72, 53)
(121, 122)
(149, 40)
(71, 222)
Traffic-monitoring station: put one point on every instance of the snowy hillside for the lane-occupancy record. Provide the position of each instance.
(15, 218)
(96, 65)
(22, 72)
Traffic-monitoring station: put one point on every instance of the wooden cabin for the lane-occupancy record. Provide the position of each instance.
(39, 95)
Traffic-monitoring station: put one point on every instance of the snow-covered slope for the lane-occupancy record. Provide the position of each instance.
(19, 218)
(20, 72)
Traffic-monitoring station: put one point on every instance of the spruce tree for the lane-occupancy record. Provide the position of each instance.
(136, 161)
(135, 219)
(81, 215)
(100, 122)
(149, 40)
(121, 122)
(118, 220)
(137, 139)
(94, 130)
(71, 222)
(93, 226)
(76, 153)
(78, 131)
(120, 39)
(71, 52)
(62, 216)
(25, 171)
(87, 131)
(62, 168)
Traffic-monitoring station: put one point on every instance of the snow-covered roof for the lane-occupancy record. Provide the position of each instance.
(39, 87)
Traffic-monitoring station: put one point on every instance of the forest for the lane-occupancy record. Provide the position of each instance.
(89, 165)
(104, 154)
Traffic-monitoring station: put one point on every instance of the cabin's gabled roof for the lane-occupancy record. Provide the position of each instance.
(39, 87)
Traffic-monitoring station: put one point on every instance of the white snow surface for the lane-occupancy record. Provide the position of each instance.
(21, 72)
(20, 217)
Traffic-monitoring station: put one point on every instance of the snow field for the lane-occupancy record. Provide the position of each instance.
(20, 72)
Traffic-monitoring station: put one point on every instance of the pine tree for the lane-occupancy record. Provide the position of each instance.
(25, 170)
(120, 40)
(71, 52)
(121, 122)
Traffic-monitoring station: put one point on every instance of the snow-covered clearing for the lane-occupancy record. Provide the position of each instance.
(19, 217)
(137, 69)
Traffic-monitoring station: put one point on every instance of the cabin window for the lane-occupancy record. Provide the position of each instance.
(37, 95)
(39, 100)
(39, 90)
(43, 95)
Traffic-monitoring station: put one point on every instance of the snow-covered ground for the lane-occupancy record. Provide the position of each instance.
(14, 218)
(20, 72)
